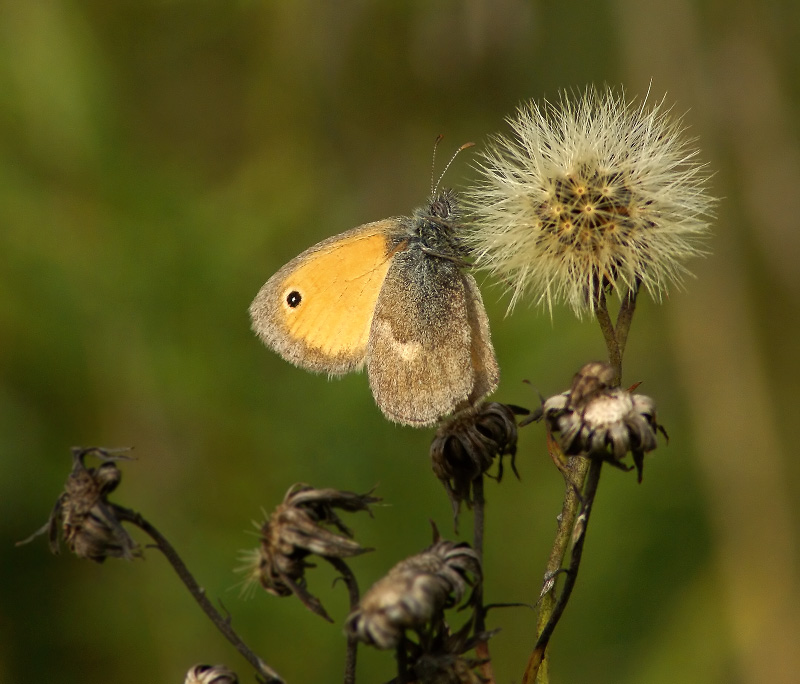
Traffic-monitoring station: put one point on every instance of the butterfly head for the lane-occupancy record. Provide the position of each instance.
(436, 227)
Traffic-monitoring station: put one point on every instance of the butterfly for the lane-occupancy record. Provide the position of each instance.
(393, 296)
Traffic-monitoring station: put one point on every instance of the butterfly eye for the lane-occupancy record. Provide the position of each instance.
(440, 208)
(293, 299)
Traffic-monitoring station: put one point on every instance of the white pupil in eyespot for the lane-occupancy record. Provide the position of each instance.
(293, 299)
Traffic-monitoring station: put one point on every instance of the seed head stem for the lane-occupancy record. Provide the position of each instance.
(582, 474)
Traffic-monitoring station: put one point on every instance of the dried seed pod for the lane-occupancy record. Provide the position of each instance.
(210, 674)
(465, 447)
(89, 523)
(599, 420)
(297, 528)
(414, 593)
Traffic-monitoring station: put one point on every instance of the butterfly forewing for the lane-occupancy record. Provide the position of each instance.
(316, 311)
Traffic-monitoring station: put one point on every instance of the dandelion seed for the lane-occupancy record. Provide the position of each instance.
(592, 193)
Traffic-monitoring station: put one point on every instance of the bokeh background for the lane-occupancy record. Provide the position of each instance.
(159, 160)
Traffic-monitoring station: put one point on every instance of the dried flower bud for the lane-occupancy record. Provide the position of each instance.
(295, 530)
(211, 674)
(598, 420)
(593, 378)
(441, 660)
(589, 193)
(465, 447)
(415, 593)
(447, 669)
(89, 523)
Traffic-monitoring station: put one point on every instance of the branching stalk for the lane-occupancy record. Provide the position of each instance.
(581, 475)
(223, 624)
(610, 335)
(574, 475)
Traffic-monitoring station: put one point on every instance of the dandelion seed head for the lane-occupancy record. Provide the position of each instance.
(590, 193)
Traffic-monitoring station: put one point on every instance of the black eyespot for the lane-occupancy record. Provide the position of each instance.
(293, 299)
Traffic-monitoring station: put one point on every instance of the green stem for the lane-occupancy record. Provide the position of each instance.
(624, 320)
(610, 336)
(580, 474)
(574, 475)
(590, 490)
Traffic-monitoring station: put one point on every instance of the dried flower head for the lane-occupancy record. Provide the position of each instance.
(211, 674)
(89, 523)
(593, 192)
(465, 447)
(447, 669)
(297, 529)
(414, 594)
(442, 661)
(599, 420)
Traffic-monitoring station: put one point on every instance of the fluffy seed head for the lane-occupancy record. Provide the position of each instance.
(589, 193)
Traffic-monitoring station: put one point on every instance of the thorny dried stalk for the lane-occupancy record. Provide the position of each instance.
(597, 422)
(412, 597)
(414, 594)
(444, 662)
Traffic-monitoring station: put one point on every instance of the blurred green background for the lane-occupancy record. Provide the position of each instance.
(159, 160)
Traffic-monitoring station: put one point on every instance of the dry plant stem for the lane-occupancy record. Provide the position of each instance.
(352, 641)
(550, 609)
(482, 648)
(589, 492)
(574, 475)
(403, 676)
(222, 624)
(478, 506)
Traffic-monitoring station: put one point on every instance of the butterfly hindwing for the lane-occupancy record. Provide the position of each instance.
(420, 354)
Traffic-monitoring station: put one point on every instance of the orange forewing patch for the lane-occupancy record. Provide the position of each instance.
(339, 285)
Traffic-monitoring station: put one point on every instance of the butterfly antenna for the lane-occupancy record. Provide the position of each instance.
(433, 162)
(452, 159)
